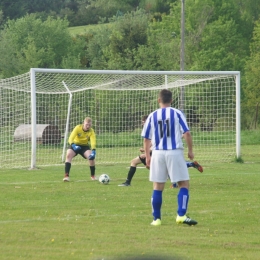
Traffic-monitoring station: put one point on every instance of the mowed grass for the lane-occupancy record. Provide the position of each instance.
(44, 218)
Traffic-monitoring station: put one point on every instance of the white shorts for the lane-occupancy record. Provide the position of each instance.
(168, 163)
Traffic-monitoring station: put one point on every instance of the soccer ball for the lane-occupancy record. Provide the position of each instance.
(104, 179)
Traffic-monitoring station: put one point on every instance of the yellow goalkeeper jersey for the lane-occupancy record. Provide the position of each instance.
(80, 137)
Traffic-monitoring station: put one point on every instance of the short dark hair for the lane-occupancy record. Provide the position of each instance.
(144, 118)
(166, 96)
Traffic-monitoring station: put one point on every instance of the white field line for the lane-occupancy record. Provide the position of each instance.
(194, 175)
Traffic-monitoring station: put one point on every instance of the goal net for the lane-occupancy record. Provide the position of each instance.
(39, 109)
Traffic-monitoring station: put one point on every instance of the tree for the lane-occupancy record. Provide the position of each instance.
(18, 8)
(222, 47)
(252, 90)
(30, 42)
(125, 34)
(97, 43)
(156, 6)
(162, 51)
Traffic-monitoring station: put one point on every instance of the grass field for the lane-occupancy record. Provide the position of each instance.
(44, 218)
(86, 28)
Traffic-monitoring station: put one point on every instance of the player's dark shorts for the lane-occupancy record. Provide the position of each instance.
(143, 160)
(83, 149)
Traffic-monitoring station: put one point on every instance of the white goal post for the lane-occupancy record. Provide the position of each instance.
(39, 109)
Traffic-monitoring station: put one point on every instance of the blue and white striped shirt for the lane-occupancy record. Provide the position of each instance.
(164, 127)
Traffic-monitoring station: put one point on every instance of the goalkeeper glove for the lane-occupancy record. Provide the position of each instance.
(92, 155)
(75, 147)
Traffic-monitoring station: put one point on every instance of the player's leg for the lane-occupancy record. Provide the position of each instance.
(175, 184)
(131, 172)
(70, 154)
(156, 202)
(92, 164)
(183, 199)
(195, 165)
(178, 172)
(92, 167)
(158, 175)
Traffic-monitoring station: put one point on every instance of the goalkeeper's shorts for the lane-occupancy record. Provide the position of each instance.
(83, 149)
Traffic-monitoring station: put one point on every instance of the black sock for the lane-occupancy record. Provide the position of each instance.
(131, 174)
(67, 168)
(92, 170)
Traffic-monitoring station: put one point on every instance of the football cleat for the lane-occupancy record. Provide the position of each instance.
(186, 220)
(93, 178)
(197, 166)
(125, 184)
(156, 222)
(66, 178)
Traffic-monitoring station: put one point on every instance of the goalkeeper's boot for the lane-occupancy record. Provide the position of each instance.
(156, 222)
(197, 166)
(93, 178)
(125, 184)
(186, 220)
(174, 185)
(66, 178)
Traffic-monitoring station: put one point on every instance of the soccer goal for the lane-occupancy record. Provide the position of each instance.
(39, 109)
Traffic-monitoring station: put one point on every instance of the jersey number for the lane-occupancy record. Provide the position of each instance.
(161, 123)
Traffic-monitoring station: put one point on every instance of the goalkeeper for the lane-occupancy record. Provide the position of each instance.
(141, 159)
(80, 139)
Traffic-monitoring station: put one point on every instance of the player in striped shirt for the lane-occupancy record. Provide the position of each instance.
(142, 160)
(164, 129)
(82, 141)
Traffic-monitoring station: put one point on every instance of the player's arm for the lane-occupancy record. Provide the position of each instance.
(188, 139)
(93, 142)
(73, 135)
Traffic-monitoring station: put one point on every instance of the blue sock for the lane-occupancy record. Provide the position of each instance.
(189, 164)
(183, 199)
(156, 204)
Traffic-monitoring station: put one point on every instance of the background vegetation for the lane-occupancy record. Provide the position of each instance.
(135, 35)
(44, 218)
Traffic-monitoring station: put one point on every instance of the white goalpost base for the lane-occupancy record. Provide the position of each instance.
(39, 109)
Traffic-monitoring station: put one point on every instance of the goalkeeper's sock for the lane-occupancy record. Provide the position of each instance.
(183, 199)
(92, 170)
(130, 174)
(156, 204)
(67, 168)
(189, 164)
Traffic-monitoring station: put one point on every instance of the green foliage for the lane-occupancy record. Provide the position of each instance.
(156, 6)
(30, 42)
(252, 88)
(97, 45)
(163, 46)
(218, 52)
(139, 35)
(128, 33)
(112, 47)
